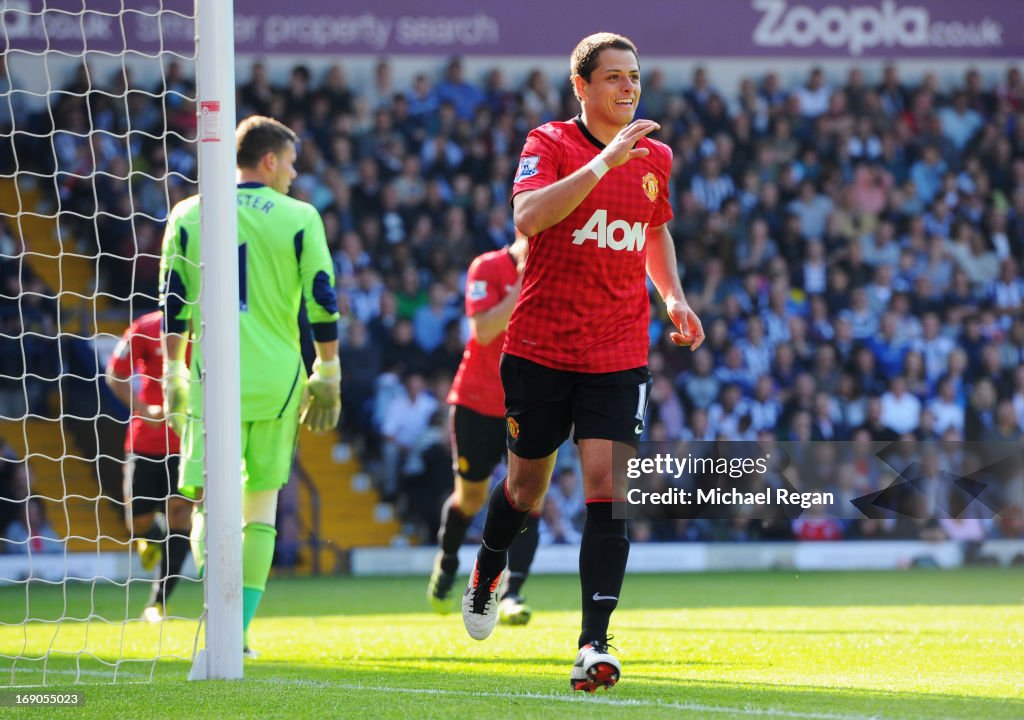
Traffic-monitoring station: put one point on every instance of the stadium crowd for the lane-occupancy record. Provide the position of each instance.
(852, 249)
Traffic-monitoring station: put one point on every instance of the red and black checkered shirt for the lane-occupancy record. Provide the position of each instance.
(140, 356)
(584, 304)
(477, 384)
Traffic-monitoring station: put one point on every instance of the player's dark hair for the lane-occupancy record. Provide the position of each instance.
(257, 135)
(585, 55)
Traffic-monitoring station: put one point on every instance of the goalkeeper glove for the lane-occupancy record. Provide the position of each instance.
(321, 400)
(176, 382)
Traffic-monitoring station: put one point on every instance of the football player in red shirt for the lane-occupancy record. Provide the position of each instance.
(592, 196)
(478, 429)
(152, 451)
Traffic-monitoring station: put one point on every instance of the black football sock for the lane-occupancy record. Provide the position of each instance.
(502, 525)
(603, 554)
(176, 547)
(453, 531)
(520, 555)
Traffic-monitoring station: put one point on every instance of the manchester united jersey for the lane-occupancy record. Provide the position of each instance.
(140, 357)
(584, 304)
(477, 384)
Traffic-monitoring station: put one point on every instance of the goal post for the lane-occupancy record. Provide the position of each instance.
(215, 78)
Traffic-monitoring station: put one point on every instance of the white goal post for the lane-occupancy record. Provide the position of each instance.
(215, 77)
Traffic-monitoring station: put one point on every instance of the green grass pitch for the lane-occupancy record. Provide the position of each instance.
(835, 646)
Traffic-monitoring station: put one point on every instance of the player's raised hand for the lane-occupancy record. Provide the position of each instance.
(176, 381)
(620, 150)
(321, 399)
(691, 332)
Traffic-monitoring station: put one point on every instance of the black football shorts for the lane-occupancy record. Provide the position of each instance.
(543, 405)
(478, 443)
(149, 481)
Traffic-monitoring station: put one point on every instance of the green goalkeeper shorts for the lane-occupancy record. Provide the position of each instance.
(268, 447)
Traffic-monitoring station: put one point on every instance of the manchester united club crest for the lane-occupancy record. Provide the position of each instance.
(513, 428)
(650, 186)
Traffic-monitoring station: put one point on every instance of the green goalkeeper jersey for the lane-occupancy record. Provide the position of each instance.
(282, 258)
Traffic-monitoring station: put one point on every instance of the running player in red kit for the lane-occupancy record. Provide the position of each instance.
(151, 460)
(592, 196)
(478, 429)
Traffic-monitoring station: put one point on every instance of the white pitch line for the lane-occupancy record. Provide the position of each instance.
(546, 697)
(577, 699)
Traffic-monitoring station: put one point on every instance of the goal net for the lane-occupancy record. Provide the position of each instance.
(97, 141)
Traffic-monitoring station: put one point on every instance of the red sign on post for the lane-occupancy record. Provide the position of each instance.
(209, 121)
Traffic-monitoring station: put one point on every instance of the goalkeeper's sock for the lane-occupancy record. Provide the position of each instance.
(604, 550)
(503, 523)
(197, 539)
(257, 556)
(520, 555)
(170, 567)
(251, 598)
(453, 531)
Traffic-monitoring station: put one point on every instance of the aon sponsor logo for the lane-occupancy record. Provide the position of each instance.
(617, 234)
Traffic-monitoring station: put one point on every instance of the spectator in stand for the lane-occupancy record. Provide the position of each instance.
(360, 366)
(711, 188)
(666, 409)
(423, 100)
(812, 208)
(764, 409)
(927, 174)
(699, 95)
(730, 419)
(699, 386)
(733, 371)
(563, 510)
(32, 533)
(426, 476)
(813, 277)
(934, 346)
(430, 320)
(825, 419)
(888, 347)
(813, 97)
(881, 248)
(901, 411)
(405, 419)
(13, 485)
(756, 352)
(464, 96)
(960, 123)
(1005, 433)
(539, 98)
(698, 429)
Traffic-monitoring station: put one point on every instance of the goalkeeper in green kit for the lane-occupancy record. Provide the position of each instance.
(282, 258)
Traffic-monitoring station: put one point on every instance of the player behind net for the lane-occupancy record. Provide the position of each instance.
(592, 196)
(151, 461)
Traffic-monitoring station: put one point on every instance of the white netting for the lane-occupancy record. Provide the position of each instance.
(97, 141)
